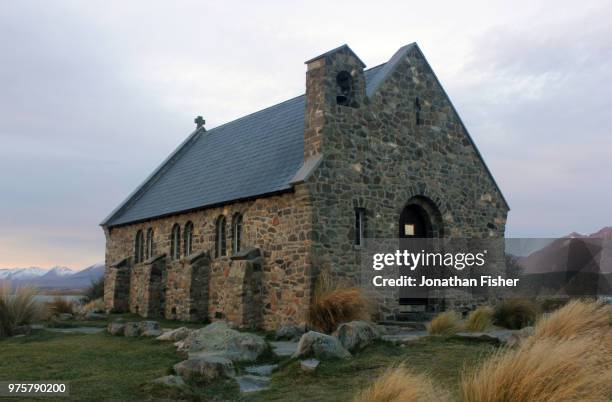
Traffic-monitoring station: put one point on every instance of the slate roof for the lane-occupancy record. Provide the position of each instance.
(252, 156)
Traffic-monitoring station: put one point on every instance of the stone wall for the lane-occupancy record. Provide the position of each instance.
(279, 225)
(376, 156)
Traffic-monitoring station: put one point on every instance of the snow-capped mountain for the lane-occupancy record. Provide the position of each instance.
(59, 271)
(21, 273)
(56, 277)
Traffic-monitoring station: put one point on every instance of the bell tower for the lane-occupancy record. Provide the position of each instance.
(334, 84)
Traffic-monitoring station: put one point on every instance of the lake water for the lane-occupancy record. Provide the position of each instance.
(50, 298)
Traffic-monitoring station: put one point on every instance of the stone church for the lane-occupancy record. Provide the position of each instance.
(236, 223)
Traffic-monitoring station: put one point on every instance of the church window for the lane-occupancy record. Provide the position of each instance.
(236, 233)
(149, 246)
(138, 247)
(220, 238)
(175, 242)
(188, 238)
(360, 217)
(417, 109)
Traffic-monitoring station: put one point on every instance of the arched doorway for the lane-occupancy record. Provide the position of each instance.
(419, 221)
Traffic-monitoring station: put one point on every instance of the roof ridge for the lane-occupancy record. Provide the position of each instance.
(275, 105)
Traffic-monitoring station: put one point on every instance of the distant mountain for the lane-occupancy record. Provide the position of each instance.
(590, 252)
(20, 273)
(56, 277)
(576, 264)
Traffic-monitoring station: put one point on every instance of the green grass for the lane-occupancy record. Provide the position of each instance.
(338, 380)
(100, 366)
(95, 365)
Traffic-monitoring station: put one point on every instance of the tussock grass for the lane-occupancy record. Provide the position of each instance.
(446, 323)
(61, 306)
(577, 318)
(546, 370)
(334, 303)
(480, 319)
(328, 311)
(17, 308)
(515, 313)
(94, 306)
(399, 384)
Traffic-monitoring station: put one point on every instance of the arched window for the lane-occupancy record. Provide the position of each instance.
(188, 238)
(220, 237)
(149, 247)
(345, 92)
(175, 242)
(236, 232)
(138, 247)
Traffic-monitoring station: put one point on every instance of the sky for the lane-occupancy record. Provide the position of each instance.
(94, 95)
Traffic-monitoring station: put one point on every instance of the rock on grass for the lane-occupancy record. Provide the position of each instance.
(321, 346)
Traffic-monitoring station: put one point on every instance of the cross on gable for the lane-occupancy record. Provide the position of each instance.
(199, 121)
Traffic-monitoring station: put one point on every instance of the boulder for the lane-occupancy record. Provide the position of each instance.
(116, 328)
(321, 346)
(132, 329)
(91, 316)
(356, 335)
(309, 365)
(174, 335)
(218, 338)
(289, 332)
(519, 336)
(170, 381)
(205, 368)
(149, 328)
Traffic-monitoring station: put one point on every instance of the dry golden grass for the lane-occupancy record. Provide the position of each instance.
(546, 370)
(328, 311)
(334, 303)
(398, 384)
(60, 305)
(515, 313)
(94, 306)
(18, 308)
(576, 319)
(480, 319)
(446, 323)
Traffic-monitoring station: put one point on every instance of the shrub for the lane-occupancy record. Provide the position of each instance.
(328, 311)
(94, 306)
(546, 370)
(61, 306)
(398, 384)
(480, 319)
(333, 303)
(95, 290)
(19, 308)
(576, 318)
(446, 323)
(515, 313)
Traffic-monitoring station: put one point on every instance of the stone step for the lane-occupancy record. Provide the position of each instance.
(284, 348)
(415, 325)
(262, 369)
(252, 383)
